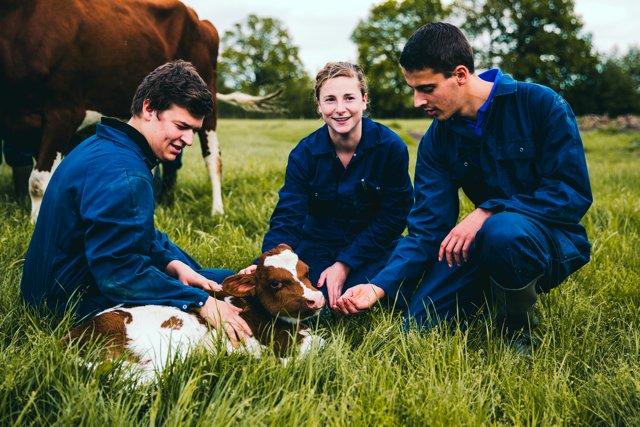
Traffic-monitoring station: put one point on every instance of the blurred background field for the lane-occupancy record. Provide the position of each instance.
(372, 372)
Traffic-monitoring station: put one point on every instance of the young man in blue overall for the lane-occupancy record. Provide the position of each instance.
(95, 238)
(515, 150)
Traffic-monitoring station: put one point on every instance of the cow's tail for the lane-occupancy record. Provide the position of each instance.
(260, 104)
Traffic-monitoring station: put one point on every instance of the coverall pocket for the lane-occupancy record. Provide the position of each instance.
(368, 195)
(321, 198)
(520, 171)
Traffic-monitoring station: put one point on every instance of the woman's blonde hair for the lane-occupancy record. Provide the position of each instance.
(340, 69)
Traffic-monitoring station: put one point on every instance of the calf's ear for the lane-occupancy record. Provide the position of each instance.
(240, 285)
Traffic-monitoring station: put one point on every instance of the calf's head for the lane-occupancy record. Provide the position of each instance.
(281, 284)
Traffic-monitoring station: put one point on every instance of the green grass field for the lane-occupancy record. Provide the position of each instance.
(586, 372)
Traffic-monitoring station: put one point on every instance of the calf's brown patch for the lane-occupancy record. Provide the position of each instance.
(172, 323)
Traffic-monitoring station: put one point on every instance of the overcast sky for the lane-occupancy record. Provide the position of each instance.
(322, 30)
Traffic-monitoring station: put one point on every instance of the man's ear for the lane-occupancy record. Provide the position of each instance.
(240, 285)
(461, 74)
(147, 111)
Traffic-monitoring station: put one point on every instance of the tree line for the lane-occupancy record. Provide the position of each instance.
(531, 40)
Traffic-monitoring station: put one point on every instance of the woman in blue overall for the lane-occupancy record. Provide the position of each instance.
(347, 190)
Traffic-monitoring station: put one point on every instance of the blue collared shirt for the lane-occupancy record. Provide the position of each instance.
(493, 75)
(529, 160)
(363, 207)
(95, 234)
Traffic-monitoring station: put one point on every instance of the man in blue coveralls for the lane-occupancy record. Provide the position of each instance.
(95, 245)
(515, 150)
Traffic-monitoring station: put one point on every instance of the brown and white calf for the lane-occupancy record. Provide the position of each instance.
(274, 299)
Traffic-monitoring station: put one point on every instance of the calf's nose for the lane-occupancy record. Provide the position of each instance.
(316, 301)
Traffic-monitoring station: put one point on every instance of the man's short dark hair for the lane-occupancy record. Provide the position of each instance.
(438, 46)
(174, 83)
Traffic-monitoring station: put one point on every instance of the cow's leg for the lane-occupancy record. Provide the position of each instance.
(39, 180)
(211, 155)
(58, 130)
(91, 118)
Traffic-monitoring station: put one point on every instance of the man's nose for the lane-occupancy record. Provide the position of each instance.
(187, 137)
(418, 99)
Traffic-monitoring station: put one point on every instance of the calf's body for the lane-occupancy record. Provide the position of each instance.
(274, 299)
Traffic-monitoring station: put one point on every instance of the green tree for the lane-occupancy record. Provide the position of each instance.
(380, 39)
(615, 90)
(630, 63)
(536, 41)
(258, 57)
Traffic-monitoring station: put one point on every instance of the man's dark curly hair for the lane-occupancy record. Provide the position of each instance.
(174, 83)
(438, 46)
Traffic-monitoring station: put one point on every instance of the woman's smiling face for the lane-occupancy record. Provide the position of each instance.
(341, 104)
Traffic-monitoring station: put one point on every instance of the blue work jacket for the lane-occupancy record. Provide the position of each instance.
(95, 234)
(529, 160)
(362, 208)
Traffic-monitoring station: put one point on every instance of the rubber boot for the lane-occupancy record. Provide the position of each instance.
(515, 315)
(21, 175)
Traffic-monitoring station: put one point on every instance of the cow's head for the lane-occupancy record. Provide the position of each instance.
(281, 284)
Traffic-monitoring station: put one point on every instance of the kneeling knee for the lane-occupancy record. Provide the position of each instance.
(500, 232)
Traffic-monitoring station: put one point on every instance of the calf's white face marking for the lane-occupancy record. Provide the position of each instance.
(288, 261)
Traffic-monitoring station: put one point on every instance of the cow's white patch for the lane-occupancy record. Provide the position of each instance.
(90, 118)
(38, 183)
(289, 320)
(311, 342)
(156, 346)
(229, 300)
(213, 166)
(287, 260)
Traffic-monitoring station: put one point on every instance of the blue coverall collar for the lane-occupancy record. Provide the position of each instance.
(505, 86)
(121, 132)
(321, 144)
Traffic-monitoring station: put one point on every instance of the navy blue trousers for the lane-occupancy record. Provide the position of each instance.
(512, 249)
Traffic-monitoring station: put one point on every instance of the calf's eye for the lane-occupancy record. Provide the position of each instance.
(274, 284)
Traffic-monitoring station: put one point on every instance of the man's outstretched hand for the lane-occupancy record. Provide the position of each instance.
(462, 236)
(186, 275)
(224, 317)
(358, 299)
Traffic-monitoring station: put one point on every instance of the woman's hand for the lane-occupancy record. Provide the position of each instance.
(359, 298)
(248, 270)
(186, 275)
(334, 278)
(224, 317)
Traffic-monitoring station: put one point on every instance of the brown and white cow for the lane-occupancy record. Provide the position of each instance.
(275, 298)
(61, 61)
